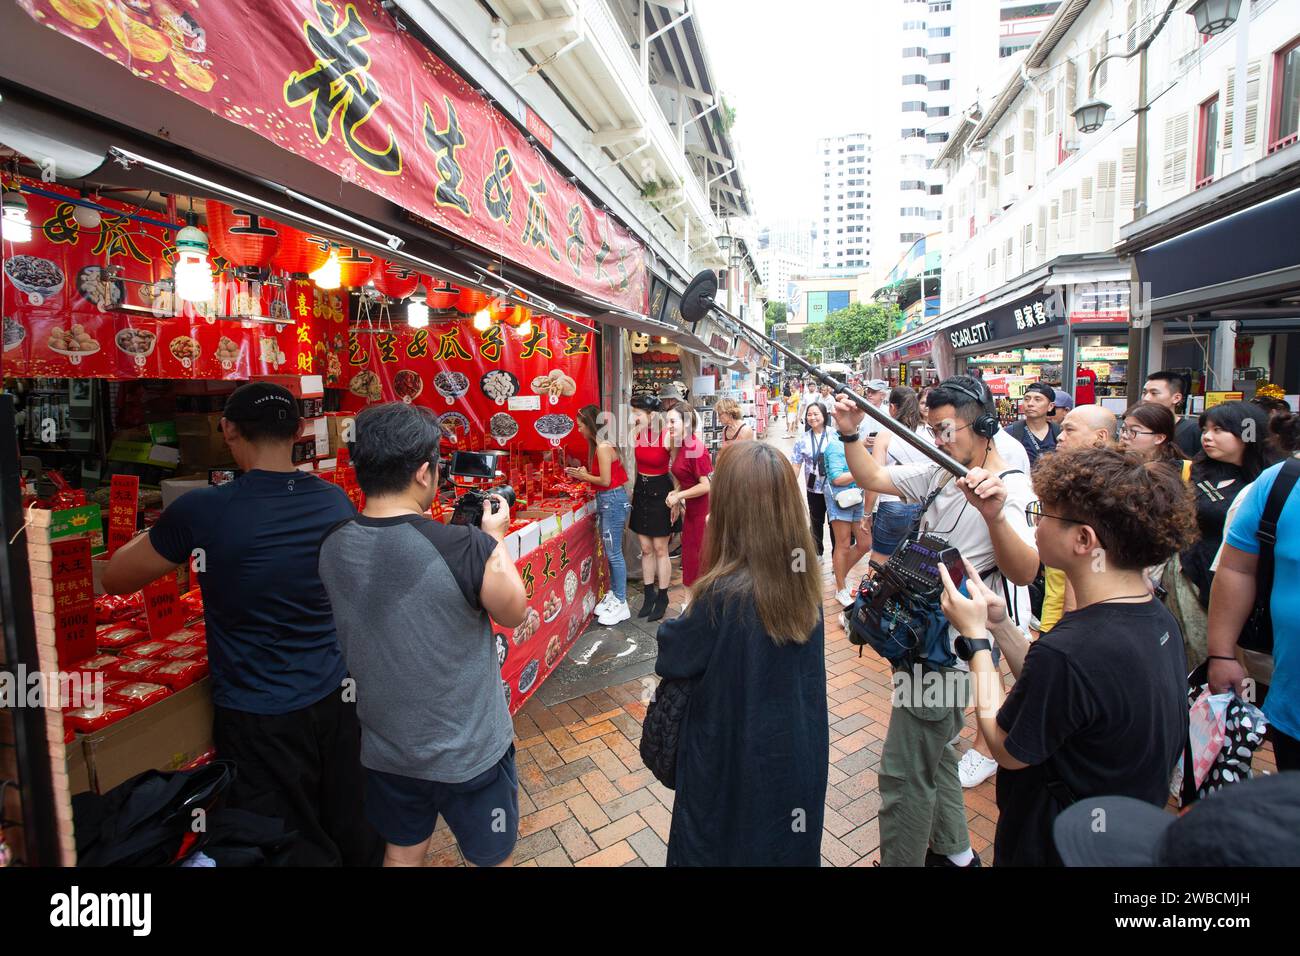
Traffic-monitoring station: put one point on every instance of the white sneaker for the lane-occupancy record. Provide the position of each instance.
(974, 768)
(606, 602)
(618, 611)
(845, 597)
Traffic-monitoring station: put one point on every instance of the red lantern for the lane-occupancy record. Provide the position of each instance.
(513, 314)
(471, 301)
(357, 265)
(442, 297)
(242, 237)
(394, 280)
(299, 253)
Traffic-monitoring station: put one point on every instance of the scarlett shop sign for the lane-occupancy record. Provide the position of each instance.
(340, 84)
(1012, 321)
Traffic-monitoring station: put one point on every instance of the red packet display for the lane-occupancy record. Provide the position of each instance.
(188, 635)
(132, 669)
(87, 720)
(117, 636)
(147, 649)
(184, 652)
(179, 674)
(139, 695)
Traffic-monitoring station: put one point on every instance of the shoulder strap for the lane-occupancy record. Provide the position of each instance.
(1011, 471)
(1187, 470)
(1266, 534)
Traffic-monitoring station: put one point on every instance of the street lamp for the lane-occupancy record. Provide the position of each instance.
(1091, 116)
(1214, 16)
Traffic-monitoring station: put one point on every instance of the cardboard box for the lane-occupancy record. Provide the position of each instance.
(173, 488)
(78, 769)
(199, 453)
(165, 736)
(198, 426)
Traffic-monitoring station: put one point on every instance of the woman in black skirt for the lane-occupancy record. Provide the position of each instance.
(651, 519)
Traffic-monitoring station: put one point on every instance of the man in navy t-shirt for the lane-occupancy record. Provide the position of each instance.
(277, 671)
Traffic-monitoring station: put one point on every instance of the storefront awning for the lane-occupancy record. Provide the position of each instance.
(1096, 277)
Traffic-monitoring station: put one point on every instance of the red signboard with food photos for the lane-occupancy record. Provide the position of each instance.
(99, 303)
(563, 579)
(492, 388)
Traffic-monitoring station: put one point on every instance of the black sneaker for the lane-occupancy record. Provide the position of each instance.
(936, 859)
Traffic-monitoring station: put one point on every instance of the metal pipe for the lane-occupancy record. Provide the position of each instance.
(942, 459)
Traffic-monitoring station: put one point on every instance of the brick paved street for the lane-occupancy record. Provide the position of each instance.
(586, 799)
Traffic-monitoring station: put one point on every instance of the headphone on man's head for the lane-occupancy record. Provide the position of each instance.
(986, 425)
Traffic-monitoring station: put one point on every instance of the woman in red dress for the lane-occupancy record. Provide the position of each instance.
(691, 466)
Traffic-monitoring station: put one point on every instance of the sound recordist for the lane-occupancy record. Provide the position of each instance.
(922, 817)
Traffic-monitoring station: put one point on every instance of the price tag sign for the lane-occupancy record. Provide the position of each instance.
(162, 606)
(74, 600)
(123, 503)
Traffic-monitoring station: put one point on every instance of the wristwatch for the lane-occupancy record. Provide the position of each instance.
(968, 647)
(848, 438)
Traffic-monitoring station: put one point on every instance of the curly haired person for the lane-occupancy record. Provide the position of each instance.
(1100, 701)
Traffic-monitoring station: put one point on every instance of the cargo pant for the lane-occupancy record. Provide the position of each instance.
(921, 795)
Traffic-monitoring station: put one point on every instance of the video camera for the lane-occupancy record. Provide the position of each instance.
(897, 611)
(477, 465)
(470, 505)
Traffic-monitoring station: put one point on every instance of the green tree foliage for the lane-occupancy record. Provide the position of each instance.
(851, 332)
(774, 313)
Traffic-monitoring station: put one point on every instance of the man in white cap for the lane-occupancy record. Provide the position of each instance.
(877, 392)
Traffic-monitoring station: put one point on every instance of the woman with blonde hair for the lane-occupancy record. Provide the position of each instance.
(753, 746)
(733, 425)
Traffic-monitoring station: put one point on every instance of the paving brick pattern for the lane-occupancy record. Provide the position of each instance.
(586, 799)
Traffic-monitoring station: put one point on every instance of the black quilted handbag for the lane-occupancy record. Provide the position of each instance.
(661, 728)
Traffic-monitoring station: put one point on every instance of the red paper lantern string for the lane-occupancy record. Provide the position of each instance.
(471, 301)
(394, 280)
(299, 253)
(442, 297)
(242, 237)
(357, 266)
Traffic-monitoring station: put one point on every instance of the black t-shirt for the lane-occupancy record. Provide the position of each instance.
(1104, 696)
(272, 645)
(1034, 445)
(1187, 436)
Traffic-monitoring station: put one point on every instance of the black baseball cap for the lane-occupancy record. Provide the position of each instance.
(1250, 823)
(1042, 388)
(262, 403)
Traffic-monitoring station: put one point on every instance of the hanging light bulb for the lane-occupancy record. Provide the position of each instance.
(16, 227)
(526, 327)
(330, 275)
(193, 272)
(87, 217)
(483, 320)
(417, 310)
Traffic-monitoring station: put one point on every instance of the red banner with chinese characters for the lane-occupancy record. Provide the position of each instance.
(563, 579)
(490, 389)
(123, 508)
(339, 84)
(65, 316)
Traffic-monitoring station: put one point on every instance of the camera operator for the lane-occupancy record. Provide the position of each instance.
(411, 600)
(922, 816)
(1100, 702)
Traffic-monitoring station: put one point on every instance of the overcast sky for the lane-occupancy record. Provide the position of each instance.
(795, 72)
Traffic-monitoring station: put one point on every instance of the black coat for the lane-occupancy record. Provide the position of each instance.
(754, 746)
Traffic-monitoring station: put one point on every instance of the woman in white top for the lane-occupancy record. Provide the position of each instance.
(893, 518)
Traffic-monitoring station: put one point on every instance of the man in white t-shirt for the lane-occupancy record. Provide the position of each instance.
(922, 816)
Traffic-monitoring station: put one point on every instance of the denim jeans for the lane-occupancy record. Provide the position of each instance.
(611, 512)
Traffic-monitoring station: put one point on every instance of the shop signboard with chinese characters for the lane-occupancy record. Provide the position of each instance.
(563, 581)
(67, 316)
(1100, 302)
(1019, 320)
(346, 87)
(492, 388)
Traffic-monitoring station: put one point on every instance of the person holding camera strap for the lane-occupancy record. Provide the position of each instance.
(922, 815)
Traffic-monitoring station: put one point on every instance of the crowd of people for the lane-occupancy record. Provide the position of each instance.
(364, 702)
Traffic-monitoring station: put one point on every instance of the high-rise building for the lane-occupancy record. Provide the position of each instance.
(953, 54)
(844, 227)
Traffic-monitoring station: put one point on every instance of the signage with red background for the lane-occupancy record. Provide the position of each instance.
(341, 85)
(74, 600)
(64, 319)
(563, 580)
(123, 505)
(490, 389)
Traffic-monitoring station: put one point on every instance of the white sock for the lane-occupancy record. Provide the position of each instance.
(963, 858)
